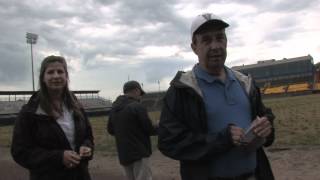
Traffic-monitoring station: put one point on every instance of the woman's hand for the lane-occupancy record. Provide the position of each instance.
(85, 151)
(71, 159)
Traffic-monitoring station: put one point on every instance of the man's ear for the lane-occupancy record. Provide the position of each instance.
(194, 47)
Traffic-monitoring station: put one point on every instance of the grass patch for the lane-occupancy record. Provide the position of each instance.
(297, 123)
(105, 143)
(5, 136)
(297, 119)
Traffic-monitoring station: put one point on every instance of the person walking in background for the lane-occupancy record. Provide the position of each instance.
(130, 124)
(52, 136)
(207, 111)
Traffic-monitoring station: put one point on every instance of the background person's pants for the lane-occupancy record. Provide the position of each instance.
(138, 170)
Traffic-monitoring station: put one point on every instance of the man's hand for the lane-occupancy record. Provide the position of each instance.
(261, 127)
(236, 134)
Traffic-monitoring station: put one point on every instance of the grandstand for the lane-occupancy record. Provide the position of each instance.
(275, 90)
(298, 87)
(12, 101)
(288, 76)
(281, 72)
(284, 77)
(153, 100)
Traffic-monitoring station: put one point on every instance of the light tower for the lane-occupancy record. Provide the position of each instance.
(32, 39)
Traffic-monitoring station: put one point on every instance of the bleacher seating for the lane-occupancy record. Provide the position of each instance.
(148, 103)
(153, 100)
(11, 107)
(159, 104)
(275, 90)
(298, 87)
(89, 103)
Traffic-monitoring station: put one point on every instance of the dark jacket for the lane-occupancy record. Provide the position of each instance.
(130, 124)
(38, 144)
(183, 129)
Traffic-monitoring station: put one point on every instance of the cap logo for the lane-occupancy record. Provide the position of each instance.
(206, 16)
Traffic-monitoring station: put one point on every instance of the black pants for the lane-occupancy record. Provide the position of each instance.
(248, 176)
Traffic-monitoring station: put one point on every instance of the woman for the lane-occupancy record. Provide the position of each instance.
(52, 136)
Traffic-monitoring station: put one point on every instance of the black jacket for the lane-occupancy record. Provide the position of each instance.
(38, 144)
(183, 129)
(130, 124)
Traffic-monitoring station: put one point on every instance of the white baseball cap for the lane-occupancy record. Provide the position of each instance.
(205, 18)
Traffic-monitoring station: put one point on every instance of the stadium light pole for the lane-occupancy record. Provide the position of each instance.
(32, 39)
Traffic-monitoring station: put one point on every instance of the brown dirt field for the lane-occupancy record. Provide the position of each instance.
(288, 163)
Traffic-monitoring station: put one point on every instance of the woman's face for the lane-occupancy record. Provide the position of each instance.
(55, 77)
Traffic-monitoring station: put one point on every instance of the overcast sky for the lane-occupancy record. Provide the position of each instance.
(107, 42)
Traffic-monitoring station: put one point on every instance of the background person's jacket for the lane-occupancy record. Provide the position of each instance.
(130, 124)
(38, 144)
(183, 130)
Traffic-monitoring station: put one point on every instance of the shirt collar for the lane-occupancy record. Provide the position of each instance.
(204, 75)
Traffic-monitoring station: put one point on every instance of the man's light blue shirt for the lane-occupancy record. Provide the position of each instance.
(226, 103)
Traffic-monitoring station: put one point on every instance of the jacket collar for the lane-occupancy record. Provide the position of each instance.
(188, 80)
(202, 74)
(40, 111)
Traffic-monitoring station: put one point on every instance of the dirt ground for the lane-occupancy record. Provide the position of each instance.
(288, 163)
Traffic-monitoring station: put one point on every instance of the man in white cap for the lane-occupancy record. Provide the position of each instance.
(213, 120)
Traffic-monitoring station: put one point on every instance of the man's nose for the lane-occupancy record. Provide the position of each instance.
(214, 45)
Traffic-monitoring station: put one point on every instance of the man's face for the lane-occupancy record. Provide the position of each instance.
(137, 93)
(211, 49)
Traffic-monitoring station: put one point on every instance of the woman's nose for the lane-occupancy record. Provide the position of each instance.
(55, 74)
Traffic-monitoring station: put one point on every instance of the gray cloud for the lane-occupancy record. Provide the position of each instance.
(145, 11)
(276, 5)
(292, 6)
(13, 64)
(157, 69)
(140, 23)
(284, 29)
